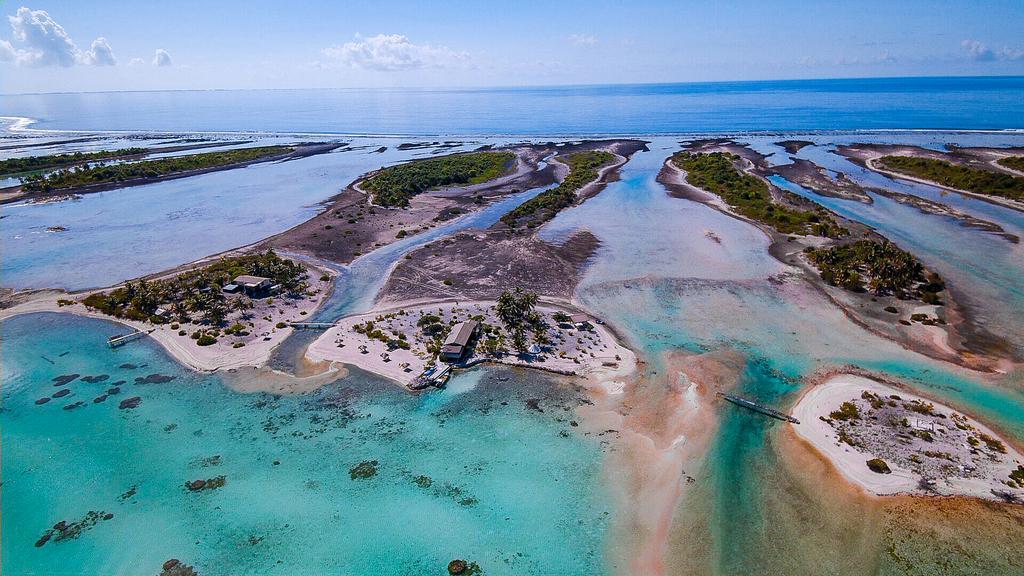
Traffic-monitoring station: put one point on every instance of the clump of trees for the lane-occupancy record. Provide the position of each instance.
(32, 163)
(750, 196)
(960, 177)
(109, 173)
(196, 294)
(876, 265)
(515, 309)
(583, 169)
(395, 185)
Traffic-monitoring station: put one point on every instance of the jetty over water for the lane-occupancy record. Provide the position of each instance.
(751, 405)
(311, 325)
(122, 339)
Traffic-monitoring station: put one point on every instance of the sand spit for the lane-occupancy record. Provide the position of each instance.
(663, 422)
(867, 155)
(927, 448)
(301, 150)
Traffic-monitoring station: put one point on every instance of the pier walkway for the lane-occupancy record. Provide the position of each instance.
(751, 405)
(312, 325)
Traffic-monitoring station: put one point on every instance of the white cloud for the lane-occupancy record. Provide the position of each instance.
(582, 39)
(982, 53)
(38, 40)
(100, 53)
(883, 58)
(390, 52)
(161, 58)
(136, 62)
(7, 52)
(42, 41)
(1008, 53)
(978, 51)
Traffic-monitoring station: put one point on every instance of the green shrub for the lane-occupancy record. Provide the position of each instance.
(104, 173)
(206, 340)
(750, 196)
(583, 169)
(878, 466)
(847, 411)
(975, 180)
(395, 185)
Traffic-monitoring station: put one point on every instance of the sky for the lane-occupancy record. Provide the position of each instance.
(104, 45)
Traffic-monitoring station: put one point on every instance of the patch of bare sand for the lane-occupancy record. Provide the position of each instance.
(248, 379)
(664, 422)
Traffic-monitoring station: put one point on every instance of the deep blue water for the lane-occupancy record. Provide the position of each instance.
(848, 104)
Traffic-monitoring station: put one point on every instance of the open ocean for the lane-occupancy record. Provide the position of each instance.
(958, 103)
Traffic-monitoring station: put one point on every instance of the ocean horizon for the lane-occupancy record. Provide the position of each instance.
(861, 104)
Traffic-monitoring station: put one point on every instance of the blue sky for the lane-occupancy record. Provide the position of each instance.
(111, 45)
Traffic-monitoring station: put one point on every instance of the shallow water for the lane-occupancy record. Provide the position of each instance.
(519, 497)
(125, 233)
(670, 289)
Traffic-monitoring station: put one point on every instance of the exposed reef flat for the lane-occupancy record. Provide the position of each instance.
(890, 441)
(479, 265)
(793, 146)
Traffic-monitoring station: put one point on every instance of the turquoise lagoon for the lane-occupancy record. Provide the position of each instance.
(514, 488)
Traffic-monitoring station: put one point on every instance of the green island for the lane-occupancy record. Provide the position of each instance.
(1013, 162)
(974, 180)
(583, 169)
(111, 173)
(33, 163)
(866, 264)
(199, 291)
(749, 195)
(395, 185)
(876, 265)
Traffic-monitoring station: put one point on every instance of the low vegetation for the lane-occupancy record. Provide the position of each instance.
(197, 293)
(34, 163)
(583, 169)
(1013, 162)
(847, 411)
(975, 180)
(112, 173)
(878, 466)
(877, 265)
(750, 196)
(395, 185)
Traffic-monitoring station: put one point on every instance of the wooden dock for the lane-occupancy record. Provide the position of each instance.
(311, 325)
(122, 339)
(436, 378)
(751, 405)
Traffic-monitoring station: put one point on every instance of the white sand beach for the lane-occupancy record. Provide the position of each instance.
(819, 401)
